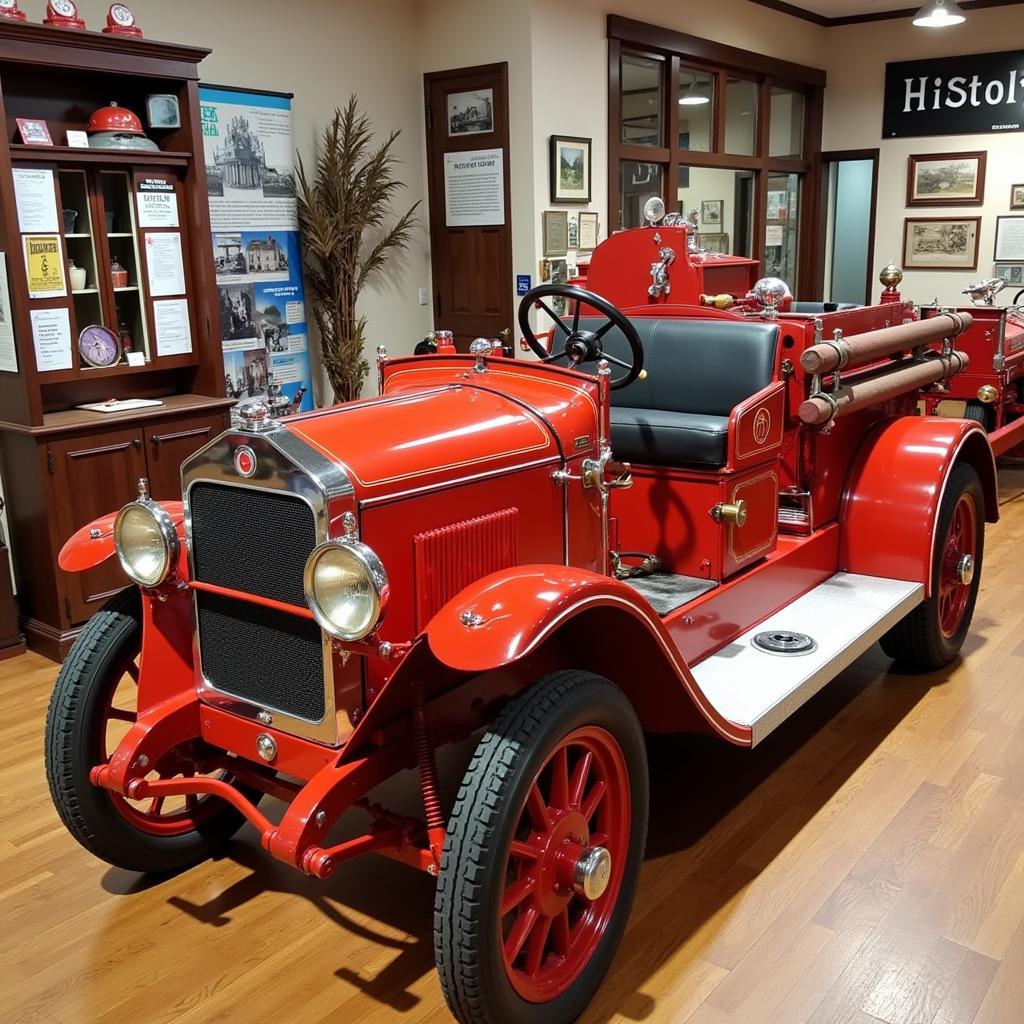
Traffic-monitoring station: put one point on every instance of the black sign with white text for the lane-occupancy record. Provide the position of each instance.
(969, 95)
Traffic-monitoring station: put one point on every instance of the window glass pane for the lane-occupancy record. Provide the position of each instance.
(696, 109)
(786, 129)
(641, 85)
(724, 203)
(740, 116)
(637, 183)
(782, 228)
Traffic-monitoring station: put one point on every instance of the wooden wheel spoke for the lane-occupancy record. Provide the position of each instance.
(520, 932)
(537, 944)
(155, 805)
(560, 778)
(593, 799)
(580, 778)
(516, 893)
(561, 933)
(523, 851)
(132, 670)
(538, 809)
(599, 839)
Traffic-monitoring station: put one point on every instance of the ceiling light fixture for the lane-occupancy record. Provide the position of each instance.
(694, 96)
(939, 14)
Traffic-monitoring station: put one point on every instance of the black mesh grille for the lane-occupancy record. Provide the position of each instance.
(255, 541)
(267, 657)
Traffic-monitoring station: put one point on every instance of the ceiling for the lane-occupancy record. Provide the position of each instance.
(826, 12)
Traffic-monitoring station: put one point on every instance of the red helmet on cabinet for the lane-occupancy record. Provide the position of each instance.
(115, 119)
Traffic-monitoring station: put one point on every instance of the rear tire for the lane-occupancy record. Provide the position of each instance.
(105, 823)
(565, 756)
(980, 412)
(931, 636)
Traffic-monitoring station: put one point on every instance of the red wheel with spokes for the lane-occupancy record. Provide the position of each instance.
(94, 704)
(931, 636)
(542, 854)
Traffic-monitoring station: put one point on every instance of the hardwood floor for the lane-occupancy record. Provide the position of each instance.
(865, 864)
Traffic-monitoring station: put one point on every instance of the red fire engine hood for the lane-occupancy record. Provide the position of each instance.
(432, 435)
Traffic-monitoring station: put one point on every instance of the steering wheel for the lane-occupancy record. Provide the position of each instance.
(582, 346)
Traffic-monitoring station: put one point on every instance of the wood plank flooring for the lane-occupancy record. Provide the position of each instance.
(865, 864)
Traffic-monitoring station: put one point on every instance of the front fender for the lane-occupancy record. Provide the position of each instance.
(509, 615)
(94, 542)
(891, 501)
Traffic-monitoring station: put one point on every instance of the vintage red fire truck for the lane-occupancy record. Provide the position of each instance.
(993, 388)
(678, 518)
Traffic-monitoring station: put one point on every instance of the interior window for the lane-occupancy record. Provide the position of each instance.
(642, 102)
(696, 109)
(786, 127)
(740, 116)
(723, 201)
(637, 183)
(782, 228)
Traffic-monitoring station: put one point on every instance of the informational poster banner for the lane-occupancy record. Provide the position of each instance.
(474, 188)
(44, 266)
(51, 335)
(8, 350)
(36, 196)
(250, 172)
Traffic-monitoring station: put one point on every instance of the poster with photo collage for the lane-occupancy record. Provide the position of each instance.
(250, 175)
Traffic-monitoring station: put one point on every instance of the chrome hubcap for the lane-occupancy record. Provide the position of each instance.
(965, 570)
(592, 873)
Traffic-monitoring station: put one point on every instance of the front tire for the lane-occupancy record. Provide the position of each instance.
(542, 854)
(93, 705)
(931, 636)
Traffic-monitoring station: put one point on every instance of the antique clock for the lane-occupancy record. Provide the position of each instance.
(99, 346)
(121, 21)
(63, 14)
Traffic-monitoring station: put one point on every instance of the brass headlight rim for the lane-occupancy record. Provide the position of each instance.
(168, 532)
(375, 573)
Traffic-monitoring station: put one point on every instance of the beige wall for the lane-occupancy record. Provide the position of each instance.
(853, 120)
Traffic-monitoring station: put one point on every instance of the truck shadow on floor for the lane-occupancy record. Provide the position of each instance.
(719, 817)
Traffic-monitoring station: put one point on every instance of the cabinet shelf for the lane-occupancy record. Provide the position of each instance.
(79, 234)
(84, 291)
(71, 155)
(128, 288)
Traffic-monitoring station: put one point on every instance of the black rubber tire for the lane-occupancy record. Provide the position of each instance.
(466, 933)
(979, 412)
(916, 642)
(109, 641)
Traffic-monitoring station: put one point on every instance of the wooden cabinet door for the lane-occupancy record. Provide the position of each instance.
(169, 444)
(94, 476)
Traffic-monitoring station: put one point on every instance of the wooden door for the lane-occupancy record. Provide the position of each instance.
(94, 476)
(467, 116)
(168, 445)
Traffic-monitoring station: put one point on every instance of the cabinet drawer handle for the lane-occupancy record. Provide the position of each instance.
(155, 439)
(137, 441)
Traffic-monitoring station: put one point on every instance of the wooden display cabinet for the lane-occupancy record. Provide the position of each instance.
(62, 465)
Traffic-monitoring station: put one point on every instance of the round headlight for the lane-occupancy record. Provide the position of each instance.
(346, 588)
(146, 542)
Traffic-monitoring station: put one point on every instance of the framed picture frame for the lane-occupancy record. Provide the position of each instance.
(569, 162)
(163, 111)
(588, 230)
(714, 241)
(470, 113)
(555, 225)
(711, 212)
(34, 132)
(946, 179)
(1009, 238)
(941, 243)
(1017, 197)
(1011, 273)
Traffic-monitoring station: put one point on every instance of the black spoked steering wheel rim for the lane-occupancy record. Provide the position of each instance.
(582, 346)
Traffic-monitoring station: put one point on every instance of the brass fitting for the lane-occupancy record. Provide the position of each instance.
(987, 394)
(733, 512)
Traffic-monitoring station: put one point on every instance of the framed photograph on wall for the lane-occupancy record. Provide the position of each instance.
(1011, 273)
(570, 169)
(1017, 197)
(1010, 238)
(946, 179)
(714, 241)
(34, 132)
(711, 212)
(941, 243)
(588, 230)
(471, 113)
(556, 232)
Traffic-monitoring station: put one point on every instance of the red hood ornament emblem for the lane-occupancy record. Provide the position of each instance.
(245, 461)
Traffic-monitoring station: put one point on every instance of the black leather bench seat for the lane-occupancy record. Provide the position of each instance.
(698, 371)
(669, 438)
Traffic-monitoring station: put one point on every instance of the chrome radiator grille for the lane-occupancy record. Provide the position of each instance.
(256, 541)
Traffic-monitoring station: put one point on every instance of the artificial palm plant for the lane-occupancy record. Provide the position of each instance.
(343, 212)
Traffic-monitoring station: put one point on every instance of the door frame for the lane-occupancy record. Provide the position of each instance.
(837, 156)
(436, 202)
